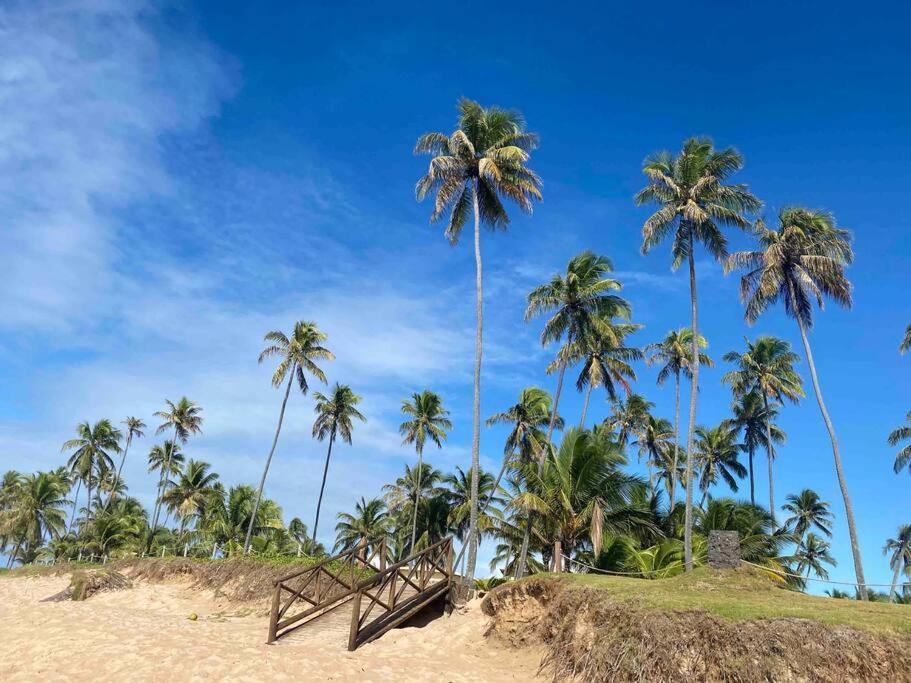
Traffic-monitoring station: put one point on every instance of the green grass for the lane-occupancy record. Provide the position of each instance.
(747, 594)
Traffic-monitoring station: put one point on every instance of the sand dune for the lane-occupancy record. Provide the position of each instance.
(144, 633)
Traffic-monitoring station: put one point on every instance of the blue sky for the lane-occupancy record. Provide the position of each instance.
(175, 181)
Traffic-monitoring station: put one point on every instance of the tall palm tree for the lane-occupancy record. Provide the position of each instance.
(673, 354)
(366, 527)
(36, 504)
(812, 554)
(896, 436)
(801, 261)
(458, 496)
(900, 561)
(185, 419)
(808, 511)
(187, 497)
(483, 160)
(91, 456)
(766, 367)
(716, 457)
(426, 419)
(694, 203)
(333, 418)
(298, 355)
(755, 419)
(605, 362)
(134, 427)
(628, 418)
(167, 460)
(654, 439)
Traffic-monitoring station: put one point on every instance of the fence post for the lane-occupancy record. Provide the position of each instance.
(104, 560)
(355, 622)
(162, 551)
(298, 549)
(273, 614)
(185, 548)
(80, 555)
(214, 549)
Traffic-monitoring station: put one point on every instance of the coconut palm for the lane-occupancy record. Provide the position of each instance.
(605, 362)
(166, 459)
(483, 160)
(91, 457)
(188, 496)
(808, 511)
(673, 354)
(628, 417)
(766, 367)
(185, 419)
(413, 486)
(754, 420)
(655, 440)
(801, 261)
(366, 527)
(716, 458)
(34, 509)
(900, 561)
(694, 203)
(427, 419)
(458, 496)
(134, 427)
(297, 357)
(812, 554)
(333, 418)
(896, 436)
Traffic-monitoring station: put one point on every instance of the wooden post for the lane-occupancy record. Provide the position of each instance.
(355, 622)
(214, 549)
(162, 551)
(273, 615)
(298, 549)
(383, 554)
(185, 548)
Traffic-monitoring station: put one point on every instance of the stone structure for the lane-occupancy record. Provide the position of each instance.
(724, 549)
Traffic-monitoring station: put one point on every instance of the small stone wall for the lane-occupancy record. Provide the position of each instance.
(724, 549)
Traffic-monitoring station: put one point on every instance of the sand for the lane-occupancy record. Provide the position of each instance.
(144, 633)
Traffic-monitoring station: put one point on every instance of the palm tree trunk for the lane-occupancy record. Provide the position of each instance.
(768, 450)
(123, 459)
(322, 487)
(694, 388)
(752, 487)
(75, 503)
(588, 394)
(558, 556)
(12, 557)
(849, 509)
(164, 477)
(417, 500)
(262, 481)
(898, 566)
(673, 491)
(476, 408)
(526, 538)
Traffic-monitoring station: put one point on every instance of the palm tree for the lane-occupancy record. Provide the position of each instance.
(483, 160)
(92, 450)
(756, 419)
(693, 204)
(35, 508)
(297, 358)
(896, 436)
(605, 362)
(654, 439)
(188, 496)
(800, 262)
(369, 523)
(807, 512)
(716, 457)
(812, 554)
(458, 497)
(333, 418)
(766, 367)
(184, 417)
(900, 547)
(134, 429)
(167, 460)
(673, 353)
(628, 418)
(426, 419)
(906, 340)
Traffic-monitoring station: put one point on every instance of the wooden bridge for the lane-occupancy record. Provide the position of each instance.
(381, 597)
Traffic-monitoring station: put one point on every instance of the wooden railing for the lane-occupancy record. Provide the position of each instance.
(427, 573)
(322, 587)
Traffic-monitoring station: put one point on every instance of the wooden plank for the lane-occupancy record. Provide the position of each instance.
(408, 609)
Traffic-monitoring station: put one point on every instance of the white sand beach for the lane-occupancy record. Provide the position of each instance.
(145, 633)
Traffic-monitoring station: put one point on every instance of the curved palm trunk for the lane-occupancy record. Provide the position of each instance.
(123, 459)
(898, 566)
(849, 509)
(526, 537)
(476, 409)
(262, 481)
(694, 388)
(75, 503)
(322, 488)
(768, 450)
(588, 394)
(417, 500)
(673, 491)
(164, 478)
(752, 486)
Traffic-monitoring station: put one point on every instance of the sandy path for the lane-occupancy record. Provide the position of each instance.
(143, 634)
